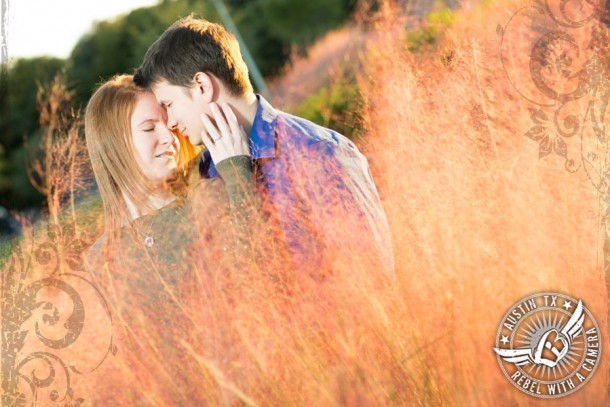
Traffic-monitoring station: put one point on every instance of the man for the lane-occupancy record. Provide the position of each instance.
(316, 183)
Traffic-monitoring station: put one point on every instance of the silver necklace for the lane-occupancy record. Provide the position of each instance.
(149, 240)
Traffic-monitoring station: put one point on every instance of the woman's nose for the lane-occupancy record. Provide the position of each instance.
(166, 137)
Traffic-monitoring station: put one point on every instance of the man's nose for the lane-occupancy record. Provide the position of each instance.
(172, 123)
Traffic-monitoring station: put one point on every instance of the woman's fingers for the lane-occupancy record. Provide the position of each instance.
(221, 122)
(226, 137)
(240, 140)
(231, 119)
(210, 127)
(207, 141)
(232, 132)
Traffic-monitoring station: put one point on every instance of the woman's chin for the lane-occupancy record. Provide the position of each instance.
(163, 177)
(171, 174)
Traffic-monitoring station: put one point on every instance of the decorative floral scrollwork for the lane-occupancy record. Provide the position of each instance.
(566, 74)
(57, 323)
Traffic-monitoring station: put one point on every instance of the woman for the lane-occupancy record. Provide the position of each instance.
(168, 234)
(138, 161)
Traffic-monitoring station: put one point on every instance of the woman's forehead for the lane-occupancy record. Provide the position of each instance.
(147, 108)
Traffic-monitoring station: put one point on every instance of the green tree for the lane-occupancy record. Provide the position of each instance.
(19, 119)
(20, 192)
(18, 112)
(4, 181)
(272, 28)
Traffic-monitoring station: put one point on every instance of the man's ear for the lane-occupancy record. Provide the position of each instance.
(204, 86)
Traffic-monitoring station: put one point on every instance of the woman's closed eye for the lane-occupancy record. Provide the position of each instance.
(149, 129)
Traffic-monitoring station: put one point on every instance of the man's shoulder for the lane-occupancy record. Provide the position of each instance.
(310, 134)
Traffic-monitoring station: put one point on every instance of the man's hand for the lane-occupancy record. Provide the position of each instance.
(226, 138)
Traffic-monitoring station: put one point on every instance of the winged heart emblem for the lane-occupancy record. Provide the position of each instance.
(552, 346)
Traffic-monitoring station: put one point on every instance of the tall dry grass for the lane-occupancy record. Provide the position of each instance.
(477, 221)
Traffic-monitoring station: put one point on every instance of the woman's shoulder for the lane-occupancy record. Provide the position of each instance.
(205, 188)
(94, 256)
(96, 247)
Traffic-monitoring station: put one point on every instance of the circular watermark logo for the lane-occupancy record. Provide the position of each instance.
(548, 345)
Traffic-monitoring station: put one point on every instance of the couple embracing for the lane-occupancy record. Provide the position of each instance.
(188, 131)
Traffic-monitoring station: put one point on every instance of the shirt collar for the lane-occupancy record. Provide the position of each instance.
(262, 135)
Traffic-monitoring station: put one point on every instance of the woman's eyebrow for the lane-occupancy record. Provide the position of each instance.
(146, 121)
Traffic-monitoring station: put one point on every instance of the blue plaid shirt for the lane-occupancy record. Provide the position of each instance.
(312, 175)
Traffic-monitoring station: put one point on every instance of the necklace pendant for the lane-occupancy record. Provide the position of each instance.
(149, 241)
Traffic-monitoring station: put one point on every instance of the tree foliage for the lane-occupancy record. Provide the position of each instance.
(18, 120)
(18, 112)
(272, 28)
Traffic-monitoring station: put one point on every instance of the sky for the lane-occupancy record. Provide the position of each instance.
(53, 27)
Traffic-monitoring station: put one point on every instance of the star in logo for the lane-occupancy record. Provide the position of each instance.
(567, 305)
(504, 339)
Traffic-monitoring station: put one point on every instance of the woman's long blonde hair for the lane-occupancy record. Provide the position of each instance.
(112, 154)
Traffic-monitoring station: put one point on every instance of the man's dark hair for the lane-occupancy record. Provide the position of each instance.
(193, 45)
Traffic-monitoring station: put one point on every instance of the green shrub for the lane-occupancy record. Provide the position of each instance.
(426, 35)
(337, 106)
